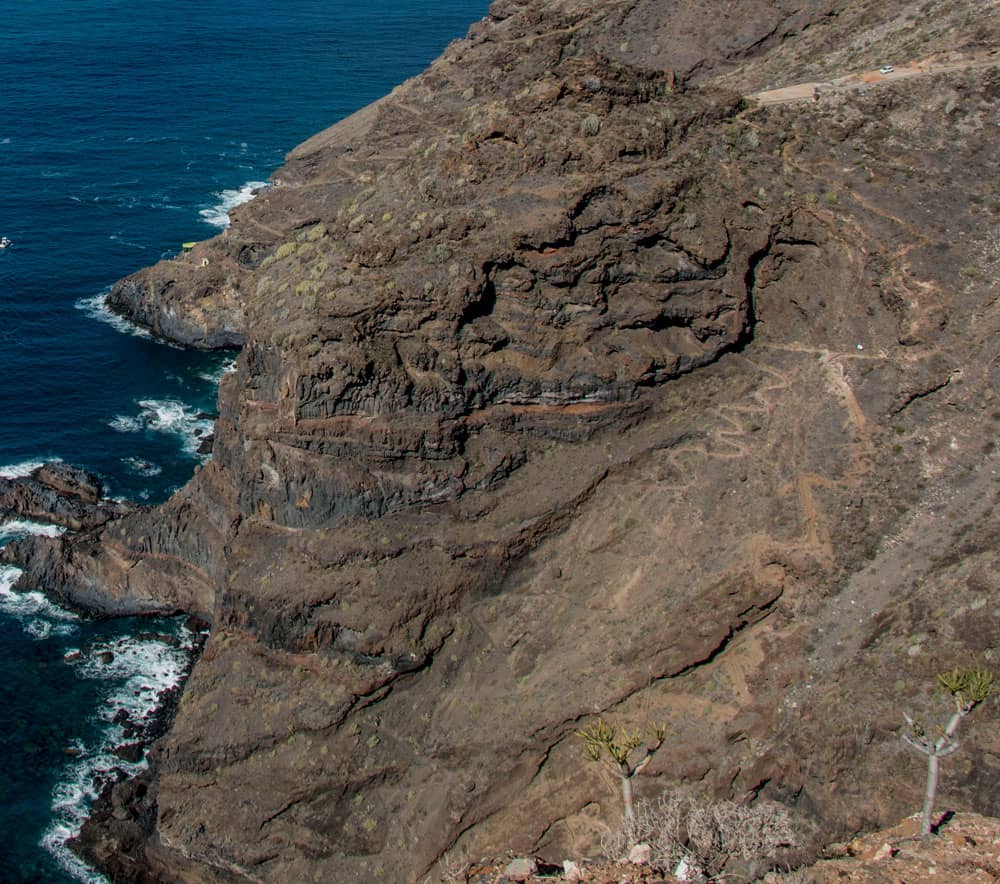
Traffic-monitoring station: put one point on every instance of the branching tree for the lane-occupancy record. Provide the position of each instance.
(969, 688)
(622, 749)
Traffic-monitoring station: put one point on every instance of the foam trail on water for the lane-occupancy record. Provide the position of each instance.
(118, 238)
(218, 215)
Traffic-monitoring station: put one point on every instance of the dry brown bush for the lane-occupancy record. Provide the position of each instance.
(707, 834)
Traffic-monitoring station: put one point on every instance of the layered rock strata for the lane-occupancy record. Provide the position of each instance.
(573, 384)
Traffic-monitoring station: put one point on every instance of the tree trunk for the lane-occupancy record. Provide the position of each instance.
(930, 793)
(627, 797)
(945, 746)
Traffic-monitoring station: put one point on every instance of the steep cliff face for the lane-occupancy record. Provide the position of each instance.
(574, 383)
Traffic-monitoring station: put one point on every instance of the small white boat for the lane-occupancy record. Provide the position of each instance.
(4, 242)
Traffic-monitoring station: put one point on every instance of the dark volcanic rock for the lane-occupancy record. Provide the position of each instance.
(122, 819)
(59, 495)
(573, 383)
(131, 752)
(70, 481)
(145, 299)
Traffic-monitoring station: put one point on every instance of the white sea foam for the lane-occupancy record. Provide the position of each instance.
(145, 468)
(218, 215)
(124, 424)
(138, 672)
(20, 470)
(22, 528)
(42, 629)
(96, 307)
(37, 616)
(215, 377)
(54, 841)
(71, 800)
(8, 576)
(166, 416)
(141, 669)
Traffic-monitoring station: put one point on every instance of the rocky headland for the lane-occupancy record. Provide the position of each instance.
(574, 381)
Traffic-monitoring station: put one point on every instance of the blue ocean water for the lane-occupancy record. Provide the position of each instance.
(126, 128)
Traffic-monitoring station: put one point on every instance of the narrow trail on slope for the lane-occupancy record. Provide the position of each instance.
(812, 91)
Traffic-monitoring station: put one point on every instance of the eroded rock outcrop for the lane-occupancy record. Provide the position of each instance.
(59, 495)
(573, 384)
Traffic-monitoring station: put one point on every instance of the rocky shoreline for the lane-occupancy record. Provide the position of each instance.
(61, 495)
(573, 383)
(123, 816)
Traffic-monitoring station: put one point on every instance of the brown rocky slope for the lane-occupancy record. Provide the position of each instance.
(572, 383)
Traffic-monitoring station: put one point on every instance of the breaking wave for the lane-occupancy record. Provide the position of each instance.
(23, 527)
(20, 470)
(96, 307)
(37, 616)
(167, 416)
(218, 215)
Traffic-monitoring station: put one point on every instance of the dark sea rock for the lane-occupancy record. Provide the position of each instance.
(122, 819)
(131, 752)
(60, 495)
(70, 482)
